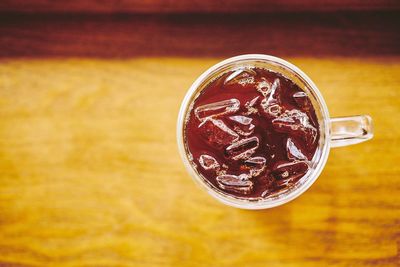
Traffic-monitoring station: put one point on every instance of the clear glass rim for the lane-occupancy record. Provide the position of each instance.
(240, 203)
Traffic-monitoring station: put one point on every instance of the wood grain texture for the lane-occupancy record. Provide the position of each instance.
(90, 174)
(198, 6)
(120, 36)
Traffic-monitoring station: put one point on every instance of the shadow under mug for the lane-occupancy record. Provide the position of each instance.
(334, 132)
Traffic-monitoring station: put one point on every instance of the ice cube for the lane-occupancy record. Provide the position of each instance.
(217, 133)
(215, 109)
(208, 162)
(234, 183)
(256, 165)
(241, 76)
(271, 110)
(223, 169)
(296, 122)
(242, 119)
(289, 172)
(264, 87)
(243, 149)
(310, 136)
(271, 104)
(274, 94)
(293, 151)
(266, 192)
(269, 185)
(244, 176)
(291, 120)
(242, 125)
(250, 106)
(302, 100)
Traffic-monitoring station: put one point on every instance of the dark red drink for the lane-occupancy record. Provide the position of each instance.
(252, 133)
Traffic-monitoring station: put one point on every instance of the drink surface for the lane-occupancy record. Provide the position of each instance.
(252, 133)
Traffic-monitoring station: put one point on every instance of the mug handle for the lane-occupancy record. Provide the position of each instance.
(351, 130)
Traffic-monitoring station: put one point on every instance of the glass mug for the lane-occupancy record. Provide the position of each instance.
(334, 132)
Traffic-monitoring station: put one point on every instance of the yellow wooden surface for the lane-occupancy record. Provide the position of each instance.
(90, 174)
